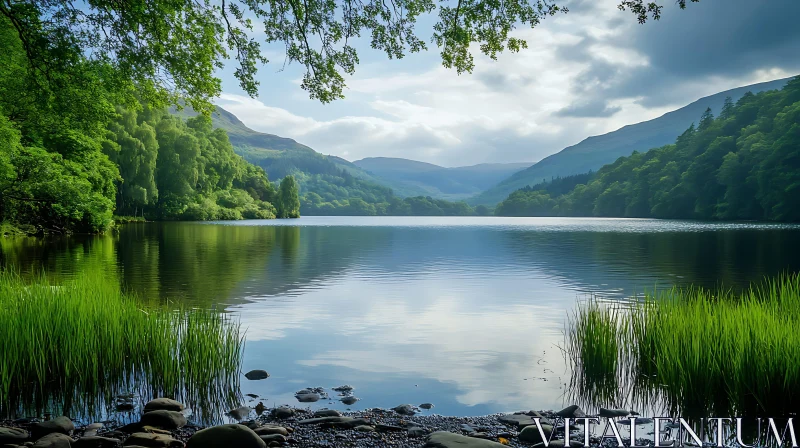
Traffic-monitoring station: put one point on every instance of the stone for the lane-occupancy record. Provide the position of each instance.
(404, 409)
(560, 444)
(267, 438)
(163, 404)
(91, 430)
(271, 429)
(238, 436)
(531, 434)
(520, 420)
(95, 442)
(54, 440)
(13, 435)
(387, 428)
(60, 425)
(570, 411)
(426, 406)
(240, 413)
(147, 440)
(443, 439)
(340, 422)
(327, 413)
(364, 428)
(349, 400)
(344, 389)
(255, 375)
(283, 412)
(260, 408)
(416, 431)
(307, 397)
(466, 428)
(164, 419)
(613, 412)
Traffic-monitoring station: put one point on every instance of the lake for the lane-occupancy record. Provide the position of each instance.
(465, 313)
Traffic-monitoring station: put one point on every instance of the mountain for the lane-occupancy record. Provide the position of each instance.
(594, 152)
(743, 165)
(412, 178)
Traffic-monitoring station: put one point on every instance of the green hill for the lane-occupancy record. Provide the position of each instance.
(594, 152)
(420, 178)
(743, 165)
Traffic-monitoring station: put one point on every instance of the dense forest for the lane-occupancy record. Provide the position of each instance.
(742, 165)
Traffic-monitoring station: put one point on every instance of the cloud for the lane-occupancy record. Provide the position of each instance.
(588, 72)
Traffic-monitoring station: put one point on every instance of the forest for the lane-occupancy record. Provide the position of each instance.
(741, 165)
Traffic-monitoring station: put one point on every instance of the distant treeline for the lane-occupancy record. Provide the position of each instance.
(742, 165)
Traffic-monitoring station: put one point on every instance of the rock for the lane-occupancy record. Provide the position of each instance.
(404, 409)
(327, 413)
(283, 412)
(252, 395)
(613, 412)
(164, 419)
(226, 435)
(91, 430)
(255, 375)
(148, 440)
(520, 420)
(387, 428)
(95, 442)
(364, 428)
(571, 411)
(54, 440)
(559, 443)
(531, 434)
(307, 397)
(271, 429)
(12, 435)
(426, 406)
(260, 408)
(416, 431)
(267, 438)
(466, 428)
(344, 389)
(60, 425)
(163, 404)
(349, 400)
(443, 439)
(639, 421)
(340, 422)
(240, 413)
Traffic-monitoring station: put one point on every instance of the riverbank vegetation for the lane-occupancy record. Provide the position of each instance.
(742, 165)
(83, 343)
(698, 352)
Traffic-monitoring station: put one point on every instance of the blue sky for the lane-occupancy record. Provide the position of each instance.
(585, 73)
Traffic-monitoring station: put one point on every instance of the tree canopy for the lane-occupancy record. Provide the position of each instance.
(171, 49)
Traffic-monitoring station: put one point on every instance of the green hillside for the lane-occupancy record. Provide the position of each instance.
(743, 165)
(594, 152)
(413, 177)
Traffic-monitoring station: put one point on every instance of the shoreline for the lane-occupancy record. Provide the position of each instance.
(163, 425)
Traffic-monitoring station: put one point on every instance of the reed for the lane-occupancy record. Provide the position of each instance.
(82, 343)
(694, 351)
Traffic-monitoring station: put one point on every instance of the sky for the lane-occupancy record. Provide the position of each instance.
(585, 73)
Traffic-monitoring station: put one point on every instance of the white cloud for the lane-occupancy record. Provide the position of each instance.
(508, 110)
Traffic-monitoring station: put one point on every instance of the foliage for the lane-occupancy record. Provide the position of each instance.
(696, 351)
(176, 169)
(288, 199)
(171, 50)
(743, 165)
(85, 340)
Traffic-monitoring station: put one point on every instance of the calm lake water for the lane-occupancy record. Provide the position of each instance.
(465, 313)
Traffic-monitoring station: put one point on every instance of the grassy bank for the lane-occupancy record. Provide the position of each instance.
(694, 351)
(82, 343)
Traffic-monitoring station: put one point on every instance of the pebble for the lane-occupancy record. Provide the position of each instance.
(255, 375)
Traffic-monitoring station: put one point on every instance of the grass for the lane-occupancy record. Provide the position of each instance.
(128, 219)
(82, 343)
(693, 351)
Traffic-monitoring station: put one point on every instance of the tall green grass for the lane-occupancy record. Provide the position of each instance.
(693, 351)
(78, 345)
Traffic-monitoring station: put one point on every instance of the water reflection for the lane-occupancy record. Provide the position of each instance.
(467, 313)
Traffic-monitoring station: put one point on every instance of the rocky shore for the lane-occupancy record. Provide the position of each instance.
(163, 425)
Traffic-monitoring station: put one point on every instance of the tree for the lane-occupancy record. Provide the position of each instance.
(171, 50)
(288, 205)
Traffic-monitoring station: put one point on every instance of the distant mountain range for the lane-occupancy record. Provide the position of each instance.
(427, 179)
(594, 152)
